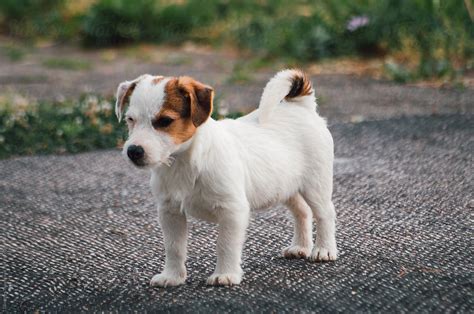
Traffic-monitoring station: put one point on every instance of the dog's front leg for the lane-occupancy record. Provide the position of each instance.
(232, 227)
(175, 234)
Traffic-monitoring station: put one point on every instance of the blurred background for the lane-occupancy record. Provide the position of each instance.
(60, 61)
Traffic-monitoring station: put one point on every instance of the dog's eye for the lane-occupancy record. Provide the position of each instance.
(130, 120)
(162, 122)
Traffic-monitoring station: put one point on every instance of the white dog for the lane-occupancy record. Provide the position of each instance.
(220, 170)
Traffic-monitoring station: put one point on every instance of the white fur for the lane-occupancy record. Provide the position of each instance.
(280, 153)
(275, 91)
(145, 102)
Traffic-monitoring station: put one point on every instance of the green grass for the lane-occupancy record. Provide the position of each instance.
(398, 73)
(58, 127)
(66, 64)
(241, 73)
(178, 60)
(14, 53)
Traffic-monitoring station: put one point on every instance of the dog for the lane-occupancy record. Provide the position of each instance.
(218, 171)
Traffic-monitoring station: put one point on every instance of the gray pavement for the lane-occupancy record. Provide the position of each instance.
(79, 232)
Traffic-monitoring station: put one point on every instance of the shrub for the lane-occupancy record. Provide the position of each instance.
(37, 18)
(20, 9)
(58, 127)
(304, 38)
(111, 22)
(440, 32)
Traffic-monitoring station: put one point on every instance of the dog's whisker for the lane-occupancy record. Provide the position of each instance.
(169, 161)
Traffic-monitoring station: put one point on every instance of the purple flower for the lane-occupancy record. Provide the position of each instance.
(357, 22)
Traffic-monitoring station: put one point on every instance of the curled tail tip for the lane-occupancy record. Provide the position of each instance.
(290, 85)
(300, 84)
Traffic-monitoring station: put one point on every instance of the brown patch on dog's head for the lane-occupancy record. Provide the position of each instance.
(187, 105)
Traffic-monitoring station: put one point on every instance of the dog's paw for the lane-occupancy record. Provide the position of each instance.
(166, 280)
(224, 279)
(322, 254)
(296, 251)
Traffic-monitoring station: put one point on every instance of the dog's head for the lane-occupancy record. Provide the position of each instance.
(163, 114)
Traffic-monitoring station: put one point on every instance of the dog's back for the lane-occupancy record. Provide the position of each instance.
(282, 141)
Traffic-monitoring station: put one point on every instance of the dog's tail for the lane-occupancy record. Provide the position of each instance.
(290, 85)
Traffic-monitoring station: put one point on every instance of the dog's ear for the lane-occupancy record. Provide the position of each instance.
(200, 97)
(124, 91)
(203, 108)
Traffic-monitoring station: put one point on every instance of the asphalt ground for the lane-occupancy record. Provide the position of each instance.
(79, 232)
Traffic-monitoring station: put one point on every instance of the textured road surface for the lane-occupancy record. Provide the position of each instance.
(80, 233)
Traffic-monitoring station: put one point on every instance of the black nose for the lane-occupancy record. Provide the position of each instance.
(135, 153)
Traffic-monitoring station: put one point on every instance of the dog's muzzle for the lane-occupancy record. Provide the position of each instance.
(136, 154)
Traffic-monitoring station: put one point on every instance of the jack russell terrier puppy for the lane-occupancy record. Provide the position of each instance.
(219, 170)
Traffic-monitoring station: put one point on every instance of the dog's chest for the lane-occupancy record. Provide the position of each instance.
(174, 183)
(198, 206)
(185, 190)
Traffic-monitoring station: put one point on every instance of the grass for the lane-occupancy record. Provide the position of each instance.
(66, 64)
(41, 128)
(241, 73)
(14, 53)
(28, 128)
(178, 60)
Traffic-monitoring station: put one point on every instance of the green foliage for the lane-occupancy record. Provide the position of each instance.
(440, 30)
(20, 9)
(13, 53)
(37, 18)
(398, 73)
(111, 22)
(304, 38)
(437, 34)
(67, 64)
(241, 73)
(58, 128)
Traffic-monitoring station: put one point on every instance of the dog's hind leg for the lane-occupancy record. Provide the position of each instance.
(302, 242)
(318, 198)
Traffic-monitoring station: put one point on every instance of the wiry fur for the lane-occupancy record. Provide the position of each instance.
(280, 153)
